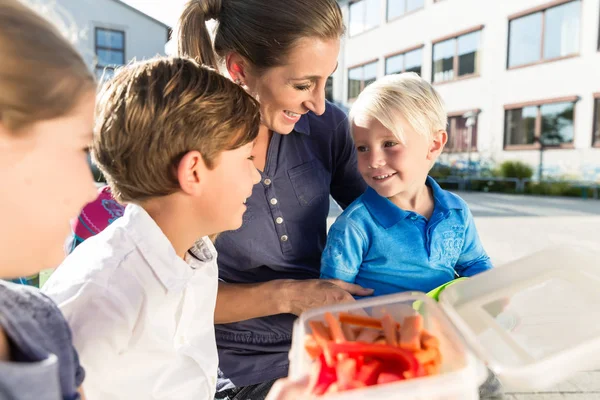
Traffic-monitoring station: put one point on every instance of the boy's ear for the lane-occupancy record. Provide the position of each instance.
(190, 173)
(437, 144)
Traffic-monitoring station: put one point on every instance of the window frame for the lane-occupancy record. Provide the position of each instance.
(596, 141)
(350, 3)
(403, 52)
(362, 82)
(455, 63)
(97, 67)
(404, 14)
(538, 123)
(543, 8)
(459, 114)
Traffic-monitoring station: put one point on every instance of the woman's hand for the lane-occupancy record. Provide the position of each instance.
(302, 295)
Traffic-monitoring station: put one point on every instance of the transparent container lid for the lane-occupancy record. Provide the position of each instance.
(534, 322)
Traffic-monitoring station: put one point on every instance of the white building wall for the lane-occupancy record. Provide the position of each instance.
(144, 37)
(496, 86)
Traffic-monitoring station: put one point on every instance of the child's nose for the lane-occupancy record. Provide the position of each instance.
(376, 161)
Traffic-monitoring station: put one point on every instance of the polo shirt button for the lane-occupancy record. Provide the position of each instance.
(279, 220)
(414, 217)
(273, 201)
(267, 181)
(284, 238)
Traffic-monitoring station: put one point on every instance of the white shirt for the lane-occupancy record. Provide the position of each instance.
(142, 318)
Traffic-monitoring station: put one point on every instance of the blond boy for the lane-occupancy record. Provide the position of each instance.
(405, 233)
(174, 141)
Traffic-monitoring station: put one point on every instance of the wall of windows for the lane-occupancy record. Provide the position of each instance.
(110, 51)
(458, 135)
(544, 35)
(397, 8)
(408, 61)
(360, 77)
(364, 15)
(551, 122)
(457, 57)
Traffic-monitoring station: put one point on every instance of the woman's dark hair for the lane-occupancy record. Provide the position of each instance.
(261, 31)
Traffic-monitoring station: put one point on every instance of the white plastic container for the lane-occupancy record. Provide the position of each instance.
(534, 322)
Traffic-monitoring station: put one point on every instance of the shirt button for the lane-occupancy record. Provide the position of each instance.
(273, 201)
(267, 181)
(279, 220)
(414, 217)
(284, 238)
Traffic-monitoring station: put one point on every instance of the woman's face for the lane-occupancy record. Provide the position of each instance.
(297, 87)
(46, 180)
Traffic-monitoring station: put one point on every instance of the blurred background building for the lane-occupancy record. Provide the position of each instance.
(527, 72)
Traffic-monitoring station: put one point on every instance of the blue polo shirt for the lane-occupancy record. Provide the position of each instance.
(283, 235)
(378, 245)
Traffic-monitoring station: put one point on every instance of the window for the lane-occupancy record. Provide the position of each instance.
(329, 89)
(364, 15)
(545, 34)
(457, 57)
(361, 77)
(458, 135)
(407, 61)
(110, 51)
(596, 137)
(549, 121)
(397, 8)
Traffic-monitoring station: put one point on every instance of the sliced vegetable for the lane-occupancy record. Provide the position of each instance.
(380, 351)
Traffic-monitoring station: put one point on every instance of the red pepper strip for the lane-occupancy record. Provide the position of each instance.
(346, 372)
(322, 376)
(404, 360)
(369, 372)
(388, 377)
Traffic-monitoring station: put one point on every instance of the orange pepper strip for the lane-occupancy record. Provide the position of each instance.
(389, 329)
(349, 333)
(426, 356)
(410, 333)
(337, 334)
(428, 340)
(360, 320)
(321, 335)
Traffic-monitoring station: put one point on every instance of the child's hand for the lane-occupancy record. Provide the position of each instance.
(302, 295)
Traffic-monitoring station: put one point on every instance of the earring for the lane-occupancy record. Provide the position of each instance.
(238, 81)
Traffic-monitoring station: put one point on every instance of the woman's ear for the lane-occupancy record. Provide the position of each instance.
(191, 172)
(237, 67)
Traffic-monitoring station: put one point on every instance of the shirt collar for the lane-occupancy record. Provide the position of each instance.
(173, 272)
(388, 214)
(303, 125)
(443, 199)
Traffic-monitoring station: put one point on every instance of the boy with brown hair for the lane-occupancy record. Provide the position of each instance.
(174, 140)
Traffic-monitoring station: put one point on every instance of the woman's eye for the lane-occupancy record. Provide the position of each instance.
(302, 87)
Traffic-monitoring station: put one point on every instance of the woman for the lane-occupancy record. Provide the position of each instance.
(281, 52)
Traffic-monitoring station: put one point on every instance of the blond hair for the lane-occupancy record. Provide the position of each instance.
(406, 95)
(41, 75)
(154, 112)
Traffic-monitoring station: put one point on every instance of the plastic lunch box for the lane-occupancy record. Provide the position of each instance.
(534, 322)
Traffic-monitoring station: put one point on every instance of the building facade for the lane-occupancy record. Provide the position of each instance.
(108, 33)
(529, 70)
